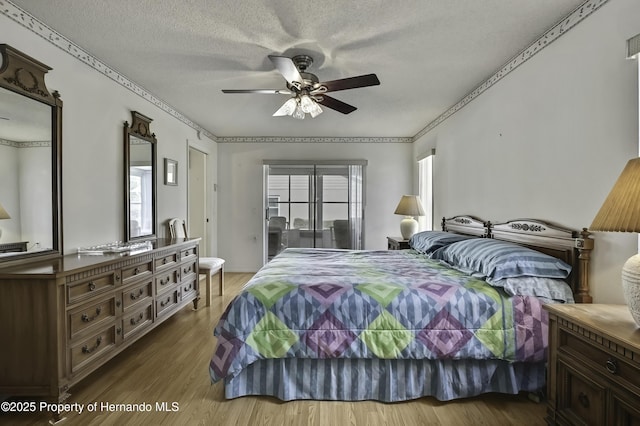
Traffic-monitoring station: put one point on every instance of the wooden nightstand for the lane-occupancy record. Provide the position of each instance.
(397, 243)
(593, 375)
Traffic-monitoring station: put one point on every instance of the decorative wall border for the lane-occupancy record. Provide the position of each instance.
(23, 18)
(570, 21)
(26, 144)
(293, 139)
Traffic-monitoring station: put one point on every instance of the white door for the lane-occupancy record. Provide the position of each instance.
(198, 219)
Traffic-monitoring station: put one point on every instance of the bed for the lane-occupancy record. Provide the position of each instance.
(330, 324)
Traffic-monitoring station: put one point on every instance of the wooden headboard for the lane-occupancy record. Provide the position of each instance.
(573, 247)
(467, 225)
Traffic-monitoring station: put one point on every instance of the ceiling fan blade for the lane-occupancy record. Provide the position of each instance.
(287, 68)
(261, 91)
(351, 82)
(335, 104)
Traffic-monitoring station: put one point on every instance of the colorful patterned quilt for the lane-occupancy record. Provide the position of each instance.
(325, 303)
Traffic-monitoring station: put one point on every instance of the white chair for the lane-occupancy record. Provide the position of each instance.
(208, 266)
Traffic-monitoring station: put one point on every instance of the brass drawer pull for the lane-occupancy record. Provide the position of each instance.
(136, 296)
(87, 350)
(612, 366)
(87, 318)
(583, 399)
(92, 286)
(136, 321)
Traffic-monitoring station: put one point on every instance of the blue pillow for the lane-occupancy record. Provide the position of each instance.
(548, 289)
(493, 259)
(430, 241)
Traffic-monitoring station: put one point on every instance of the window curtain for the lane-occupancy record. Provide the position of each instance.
(356, 205)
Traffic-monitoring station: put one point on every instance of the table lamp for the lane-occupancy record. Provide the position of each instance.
(621, 212)
(409, 206)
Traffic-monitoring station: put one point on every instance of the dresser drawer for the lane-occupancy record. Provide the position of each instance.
(167, 280)
(137, 272)
(137, 294)
(598, 359)
(188, 290)
(87, 350)
(188, 253)
(80, 290)
(166, 301)
(138, 320)
(582, 399)
(189, 270)
(167, 261)
(91, 315)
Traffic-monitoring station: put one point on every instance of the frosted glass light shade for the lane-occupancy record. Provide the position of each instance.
(287, 108)
(306, 103)
(298, 113)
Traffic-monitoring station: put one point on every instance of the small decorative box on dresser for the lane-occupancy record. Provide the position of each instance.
(593, 374)
(397, 243)
(63, 318)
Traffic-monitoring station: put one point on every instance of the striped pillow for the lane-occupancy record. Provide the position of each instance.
(496, 260)
(430, 241)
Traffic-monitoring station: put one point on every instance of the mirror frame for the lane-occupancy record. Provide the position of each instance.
(140, 129)
(24, 75)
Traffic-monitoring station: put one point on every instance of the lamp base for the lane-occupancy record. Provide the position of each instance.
(631, 286)
(408, 227)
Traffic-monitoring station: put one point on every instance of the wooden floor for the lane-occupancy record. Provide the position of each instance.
(170, 365)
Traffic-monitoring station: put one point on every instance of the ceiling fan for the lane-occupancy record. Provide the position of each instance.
(306, 91)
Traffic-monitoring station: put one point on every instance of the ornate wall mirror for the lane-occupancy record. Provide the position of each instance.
(139, 179)
(30, 161)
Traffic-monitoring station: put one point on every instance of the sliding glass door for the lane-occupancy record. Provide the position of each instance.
(317, 204)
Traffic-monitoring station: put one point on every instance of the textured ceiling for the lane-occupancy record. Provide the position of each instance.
(428, 54)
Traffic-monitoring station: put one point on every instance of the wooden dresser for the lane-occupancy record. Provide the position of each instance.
(594, 365)
(62, 319)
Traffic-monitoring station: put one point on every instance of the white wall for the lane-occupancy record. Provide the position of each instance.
(95, 109)
(549, 140)
(240, 182)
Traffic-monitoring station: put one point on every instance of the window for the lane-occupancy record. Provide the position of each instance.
(314, 204)
(425, 190)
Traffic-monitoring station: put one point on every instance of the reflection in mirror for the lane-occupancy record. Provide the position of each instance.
(29, 160)
(140, 179)
(25, 171)
(140, 187)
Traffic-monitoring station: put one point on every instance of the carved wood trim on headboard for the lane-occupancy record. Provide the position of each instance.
(464, 224)
(569, 245)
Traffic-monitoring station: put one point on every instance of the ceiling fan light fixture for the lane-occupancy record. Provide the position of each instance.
(298, 113)
(306, 103)
(316, 111)
(287, 108)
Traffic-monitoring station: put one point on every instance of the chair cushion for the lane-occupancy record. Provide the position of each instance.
(211, 263)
